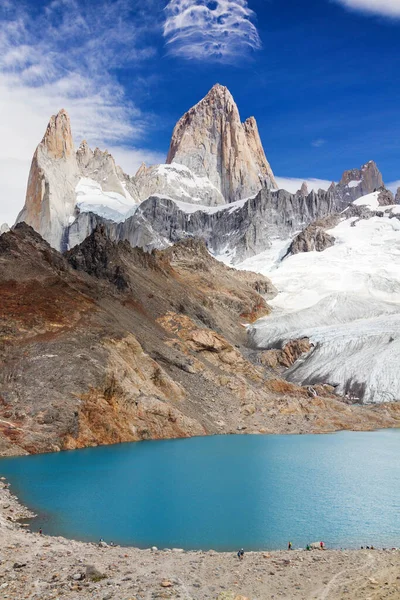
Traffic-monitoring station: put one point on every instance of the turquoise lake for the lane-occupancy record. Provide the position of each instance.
(223, 492)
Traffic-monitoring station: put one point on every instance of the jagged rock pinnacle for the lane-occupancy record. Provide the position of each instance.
(211, 141)
(50, 195)
(58, 136)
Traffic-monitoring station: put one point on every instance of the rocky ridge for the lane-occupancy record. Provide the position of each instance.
(233, 232)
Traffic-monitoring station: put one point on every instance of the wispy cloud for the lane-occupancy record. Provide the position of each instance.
(210, 29)
(64, 56)
(318, 143)
(386, 8)
(394, 186)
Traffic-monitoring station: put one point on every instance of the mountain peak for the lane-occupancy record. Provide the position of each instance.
(212, 142)
(368, 173)
(58, 136)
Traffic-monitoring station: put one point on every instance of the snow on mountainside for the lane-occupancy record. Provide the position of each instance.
(177, 182)
(346, 300)
(91, 198)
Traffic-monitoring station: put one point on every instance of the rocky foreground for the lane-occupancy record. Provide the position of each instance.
(42, 568)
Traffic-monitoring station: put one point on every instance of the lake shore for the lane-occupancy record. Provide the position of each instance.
(37, 567)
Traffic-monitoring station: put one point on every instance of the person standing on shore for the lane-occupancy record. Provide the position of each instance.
(289, 546)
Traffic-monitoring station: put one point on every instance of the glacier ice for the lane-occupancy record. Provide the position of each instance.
(346, 300)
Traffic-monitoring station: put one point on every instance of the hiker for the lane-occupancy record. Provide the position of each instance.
(240, 554)
(308, 547)
(322, 545)
(289, 546)
(40, 531)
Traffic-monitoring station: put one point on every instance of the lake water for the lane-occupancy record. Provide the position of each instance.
(222, 492)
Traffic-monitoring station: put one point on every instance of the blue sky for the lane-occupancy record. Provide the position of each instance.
(320, 76)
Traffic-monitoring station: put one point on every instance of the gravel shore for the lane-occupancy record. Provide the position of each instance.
(39, 567)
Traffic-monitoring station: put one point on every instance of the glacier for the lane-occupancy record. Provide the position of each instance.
(90, 197)
(346, 300)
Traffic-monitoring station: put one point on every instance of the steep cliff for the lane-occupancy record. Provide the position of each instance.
(212, 142)
(54, 174)
(357, 183)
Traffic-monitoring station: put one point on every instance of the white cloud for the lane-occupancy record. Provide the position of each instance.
(386, 8)
(62, 58)
(204, 29)
(293, 184)
(393, 186)
(130, 159)
(318, 143)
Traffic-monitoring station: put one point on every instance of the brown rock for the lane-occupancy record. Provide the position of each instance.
(54, 174)
(385, 198)
(312, 238)
(287, 356)
(212, 142)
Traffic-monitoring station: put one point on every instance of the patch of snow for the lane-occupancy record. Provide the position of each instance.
(192, 208)
(111, 205)
(353, 184)
(176, 173)
(370, 200)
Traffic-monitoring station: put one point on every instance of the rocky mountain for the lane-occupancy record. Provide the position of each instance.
(54, 174)
(211, 141)
(217, 185)
(109, 343)
(63, 183)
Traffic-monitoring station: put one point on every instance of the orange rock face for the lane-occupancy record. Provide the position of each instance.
(211, 141)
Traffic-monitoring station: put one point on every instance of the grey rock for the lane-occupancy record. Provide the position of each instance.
(385, 197)
(94, 574)
(310, 239)
(356, 183)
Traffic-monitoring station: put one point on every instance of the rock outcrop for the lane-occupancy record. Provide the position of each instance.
(62, 183)
(54, 174)
(4, 228)
(310, 239)
(397, 197)
(100, 166)
(385, 198)
(212, 142)
(357, 183)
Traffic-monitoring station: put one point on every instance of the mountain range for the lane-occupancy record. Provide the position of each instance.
(132, 327)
